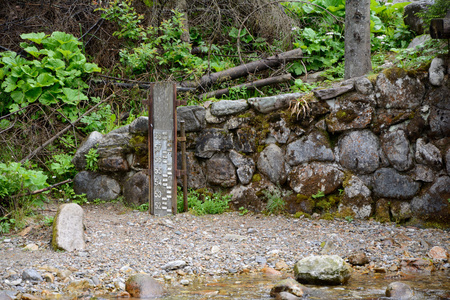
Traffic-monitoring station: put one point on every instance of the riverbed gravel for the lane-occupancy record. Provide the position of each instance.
(182, 248)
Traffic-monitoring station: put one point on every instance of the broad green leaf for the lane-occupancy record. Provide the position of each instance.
(45, 79)
(18, 96)
(33, 51)
(89, 68)
(66, 53)
(2, 73)
(73, 96)
(9, 84)
(55, 64)
(48, 98)
(34, 37)
(63, 37)
(33, 94)
(32, 72)
(16, 72)
(71, 46)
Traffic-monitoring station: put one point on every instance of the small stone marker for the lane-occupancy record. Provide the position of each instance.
(68, 228)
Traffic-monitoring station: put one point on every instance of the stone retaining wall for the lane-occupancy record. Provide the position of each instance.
(377, 146)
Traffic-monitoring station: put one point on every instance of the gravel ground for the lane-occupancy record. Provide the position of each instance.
(184, 247)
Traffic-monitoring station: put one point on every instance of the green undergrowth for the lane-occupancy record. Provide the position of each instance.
(202, 202)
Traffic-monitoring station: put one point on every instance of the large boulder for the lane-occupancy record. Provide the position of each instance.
(399, 290)
(411, 18)
(396, 89)
(196, 178)
(115, 143)
(313, 147)
(68, 228)
(96, 186)
(139, 126)
(79, 159)
(268, 104)
(350, 113)
(315, 177)
(193, 116)
(271, 163)
(433, 204)
(144, 286)
(359, 151)
(322, 270)
(221, 171)
(396, 146)
(388, 183)
(135, 189)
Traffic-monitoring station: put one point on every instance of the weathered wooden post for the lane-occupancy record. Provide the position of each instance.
(162, 161)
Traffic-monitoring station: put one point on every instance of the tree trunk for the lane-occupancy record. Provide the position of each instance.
(357, 38)
(182, 8)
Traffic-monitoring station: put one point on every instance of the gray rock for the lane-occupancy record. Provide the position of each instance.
(113, 144)
(418, 41)
(96, 186)
(312, 178)
(447, 160)
(439, 118)
(436, 71)
(322, 270)
(7, 295)
(245, 166)
(287, 285)
(410, 17)
(135, 189)
(139, 126)
(228, 107)
(211, 119)
(400, 211)
(433, 203)
(347, 115)
(144, 286)
(329, 93)
(422, 173)
(398, 90)
(271, 163)
(428, 154)
(31, 275)
(68, 228)
(357, 197)
(399, 290)
(359, 151)
(396, 146)
(79, 159)
(244, 140)
(195, 172)
(286, 296)
(280, 131)
(211, 141)
(313, 147)
(268, 104)
(194, 118)
(220, 171)
(234, 123)
(358, 259)
(363, 85)
(173, 265)
(247, 195)
(113, 164)
(388, 183)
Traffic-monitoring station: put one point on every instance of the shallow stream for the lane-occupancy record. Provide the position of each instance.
(430, 287)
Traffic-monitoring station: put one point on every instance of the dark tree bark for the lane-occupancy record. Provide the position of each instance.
(357, 38)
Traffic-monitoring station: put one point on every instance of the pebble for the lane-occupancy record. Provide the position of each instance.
(179, 249)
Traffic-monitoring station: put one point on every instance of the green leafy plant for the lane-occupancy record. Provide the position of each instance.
(349, 219)
(416, 58)
(143, 207)
(319, 194)
(91, 160)
(435, 11)
(52, 76)
(243, 211)
(62, 166)
(275, 202)
(48, 221)
(203, 203)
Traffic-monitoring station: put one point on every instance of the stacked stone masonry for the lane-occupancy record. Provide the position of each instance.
(380, 144)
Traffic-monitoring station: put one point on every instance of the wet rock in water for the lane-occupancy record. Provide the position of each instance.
(143, 286)
(322, 270)
(358, 259)
(68, 228)
(399, 290)
(31, 275)
(287, 285)
(438, 253)
(286, 296)
(416, 266)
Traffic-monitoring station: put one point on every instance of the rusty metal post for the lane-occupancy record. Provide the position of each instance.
(183, 164)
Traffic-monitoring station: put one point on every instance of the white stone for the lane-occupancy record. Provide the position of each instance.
(68, 228)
